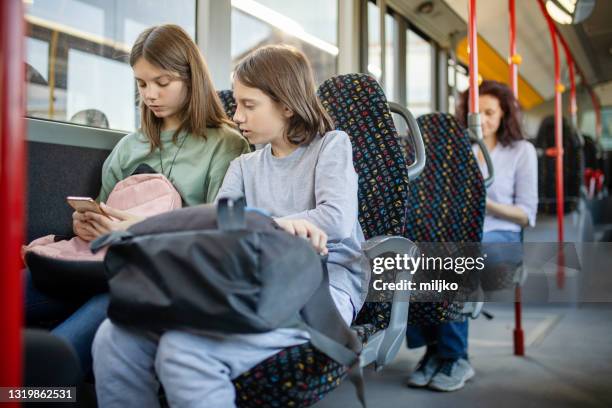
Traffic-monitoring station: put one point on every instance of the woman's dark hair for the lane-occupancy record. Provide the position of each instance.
(510, 129)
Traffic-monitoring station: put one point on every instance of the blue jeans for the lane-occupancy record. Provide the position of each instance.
(497, 254)
(80, 319)
(445, 340)
(450, 340)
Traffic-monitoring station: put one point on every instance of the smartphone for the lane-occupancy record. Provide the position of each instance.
(83, 204)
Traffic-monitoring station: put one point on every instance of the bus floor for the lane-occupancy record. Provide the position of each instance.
(568, 363)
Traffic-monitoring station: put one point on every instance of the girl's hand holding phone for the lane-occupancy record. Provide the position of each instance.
(82, 228)
(306, 230)
(100, 224)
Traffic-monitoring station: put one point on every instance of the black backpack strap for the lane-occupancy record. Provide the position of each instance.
(331, 335)
(230, 214)
(144, 168)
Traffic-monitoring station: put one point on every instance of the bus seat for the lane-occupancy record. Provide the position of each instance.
(573, 164)
(228, 102)
(594, 167)
(593, 153)
(56, 171)
(90, 117)
(49, 361)
(299, 376)
(447, 203)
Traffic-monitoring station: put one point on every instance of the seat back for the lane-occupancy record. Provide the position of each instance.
(51, 179)
(358, 106)
(573, 164)
(447, 203)
(228, 102)
(49, 361)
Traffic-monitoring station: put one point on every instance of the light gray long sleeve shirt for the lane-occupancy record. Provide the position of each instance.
(515, 183)
(317, 183)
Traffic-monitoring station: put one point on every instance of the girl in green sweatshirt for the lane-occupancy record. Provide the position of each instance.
(184, 135)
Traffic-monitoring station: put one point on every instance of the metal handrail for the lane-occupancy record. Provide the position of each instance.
(485, 153)
(416, 168)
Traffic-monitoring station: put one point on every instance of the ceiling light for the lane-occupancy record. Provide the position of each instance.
(569, 11)
(425, 7)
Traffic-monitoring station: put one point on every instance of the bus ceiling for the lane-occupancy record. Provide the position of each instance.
(589, 41)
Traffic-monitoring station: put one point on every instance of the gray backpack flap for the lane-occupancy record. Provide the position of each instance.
(198, 269)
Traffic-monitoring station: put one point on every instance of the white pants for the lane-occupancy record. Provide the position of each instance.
(195, 370)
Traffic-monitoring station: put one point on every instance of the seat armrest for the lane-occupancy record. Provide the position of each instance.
(384, 345)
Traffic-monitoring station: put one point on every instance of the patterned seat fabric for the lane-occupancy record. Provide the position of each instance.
(299, 376)
(573, 163)
(229, 104)
(446, 202)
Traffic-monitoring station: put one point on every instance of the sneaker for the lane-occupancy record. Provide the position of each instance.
(424, 371)
(452, 375)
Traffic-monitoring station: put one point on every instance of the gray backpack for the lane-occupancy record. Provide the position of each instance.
(225, 269)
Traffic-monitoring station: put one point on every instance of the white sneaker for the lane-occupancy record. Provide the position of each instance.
(424, 371)
(452, 375)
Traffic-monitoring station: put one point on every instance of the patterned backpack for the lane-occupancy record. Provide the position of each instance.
(66, 267)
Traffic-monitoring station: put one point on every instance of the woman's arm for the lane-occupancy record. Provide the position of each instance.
(523, 211)
(508, 212)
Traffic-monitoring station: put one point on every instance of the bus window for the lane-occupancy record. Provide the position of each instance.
(374, 54)
(456, 72)
(390, 34)
(310, 26)
(77, 57)
(419, 82)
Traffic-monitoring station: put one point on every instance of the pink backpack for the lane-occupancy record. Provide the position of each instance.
(57, 264)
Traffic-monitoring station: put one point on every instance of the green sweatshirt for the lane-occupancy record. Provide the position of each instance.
(199, 165)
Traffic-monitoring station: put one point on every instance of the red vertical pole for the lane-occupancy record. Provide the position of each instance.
(513, 55)
(473, 117)
(570, 64)
(558, 144)
(574, 107)
(519, 337)
(558, 123)
(12, 177)
(473, 44)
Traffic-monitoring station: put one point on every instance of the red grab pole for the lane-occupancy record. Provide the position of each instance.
(558, 123)
(570, 63)
(473, 44)
(473, 116)
(558, 146)
(514, 60)
(594, 99)
(12, 177)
